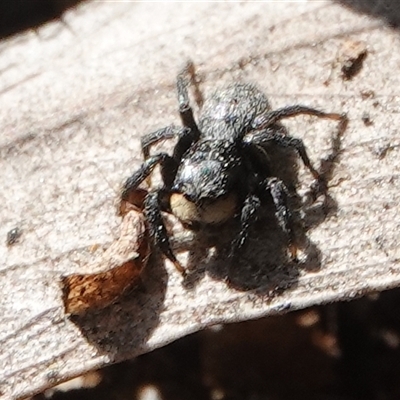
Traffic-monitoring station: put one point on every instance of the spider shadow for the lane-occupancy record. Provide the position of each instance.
(315, 212)
(121, 330)
(264, 264)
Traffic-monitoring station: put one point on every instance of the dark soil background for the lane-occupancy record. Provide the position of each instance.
(18, 15)
(340, 351)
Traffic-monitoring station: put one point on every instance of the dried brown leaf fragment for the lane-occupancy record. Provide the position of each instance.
(121, 264)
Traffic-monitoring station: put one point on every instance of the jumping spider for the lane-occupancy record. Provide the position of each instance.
(219, 166)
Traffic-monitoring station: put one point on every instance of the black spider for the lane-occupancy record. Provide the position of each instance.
(219, 167)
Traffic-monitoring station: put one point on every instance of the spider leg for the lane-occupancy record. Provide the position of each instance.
(152, 202)
(150, 139)
(248, 215)
(278, 136)
(152, 211)
(166, 162)
(277, 190)
(185, 110)
(185, 139)
(271, 117)
(283, 214)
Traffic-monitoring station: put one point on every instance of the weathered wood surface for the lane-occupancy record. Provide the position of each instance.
(74, 99)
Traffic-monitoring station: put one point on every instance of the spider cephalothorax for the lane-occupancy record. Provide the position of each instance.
(219, 167)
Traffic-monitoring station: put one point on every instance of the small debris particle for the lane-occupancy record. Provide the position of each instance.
(366, 118)
(308, 318)
(376, 104)
(352, 56)
(13, 236)
(367, 94)
(149, 392)
(381, 149)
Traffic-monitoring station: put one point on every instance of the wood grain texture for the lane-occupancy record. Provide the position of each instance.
(75, 97)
